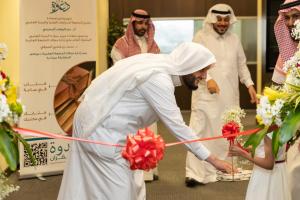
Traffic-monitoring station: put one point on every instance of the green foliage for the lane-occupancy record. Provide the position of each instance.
(9, 146)
(287, 133)
(275, 142)
(9, 149)
(289, 126)
(26, 147)
(17, 108)
(294, 99)
(115, 31)
(255, 139)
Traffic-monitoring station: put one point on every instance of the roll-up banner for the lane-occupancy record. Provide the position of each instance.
(57, 63)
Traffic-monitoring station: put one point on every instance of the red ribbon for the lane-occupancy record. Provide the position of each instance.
(229, 129)
(143, 150)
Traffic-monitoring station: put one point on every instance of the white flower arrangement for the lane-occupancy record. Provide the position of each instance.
(292, 70)
(293, 61)
(5, 188)
(10, 111)
(279, 107)
(293, 75)
(234, 115)
(296, 30)
(4, 108)
(269, 112)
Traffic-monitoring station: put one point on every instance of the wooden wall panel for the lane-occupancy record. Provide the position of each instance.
(116, 8)
(178, 8)
(165, 8)
(240, 7)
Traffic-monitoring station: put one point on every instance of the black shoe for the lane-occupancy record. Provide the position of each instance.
(190, 182)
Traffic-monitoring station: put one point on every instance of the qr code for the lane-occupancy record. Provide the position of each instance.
(39, 151)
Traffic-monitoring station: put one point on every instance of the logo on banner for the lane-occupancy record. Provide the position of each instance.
(59, 5)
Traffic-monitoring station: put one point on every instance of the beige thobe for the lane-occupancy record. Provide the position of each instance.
(207, 108)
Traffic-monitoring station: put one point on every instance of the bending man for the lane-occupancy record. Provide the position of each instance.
(133, 94)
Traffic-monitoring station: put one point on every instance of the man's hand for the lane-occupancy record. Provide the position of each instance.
(212, 86)
(299, 147)
(252, 94)
(220, 164)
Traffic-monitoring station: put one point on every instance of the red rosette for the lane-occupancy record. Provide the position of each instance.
(229, 129)
(3, 75)
(143, 150)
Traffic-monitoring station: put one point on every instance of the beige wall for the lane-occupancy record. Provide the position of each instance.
(9, 34)
(102, 34)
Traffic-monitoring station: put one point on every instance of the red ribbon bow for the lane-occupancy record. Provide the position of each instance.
(143, 150)
(230, 128)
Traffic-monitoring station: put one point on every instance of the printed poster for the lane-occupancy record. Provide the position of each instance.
(57, 63)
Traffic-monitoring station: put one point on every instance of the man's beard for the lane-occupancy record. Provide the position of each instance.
(140, 32)
(190, 81)
(221, 32)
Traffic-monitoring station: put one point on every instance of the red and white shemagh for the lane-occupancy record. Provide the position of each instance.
(287, 46)
(128, 46)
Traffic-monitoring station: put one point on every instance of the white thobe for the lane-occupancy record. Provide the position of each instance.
(99, 172)
(207, 108)
(116, 55)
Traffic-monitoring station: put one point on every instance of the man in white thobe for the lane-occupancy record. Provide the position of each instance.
(133, 94)
(288, 12)
(219, 92)
(138, 38)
